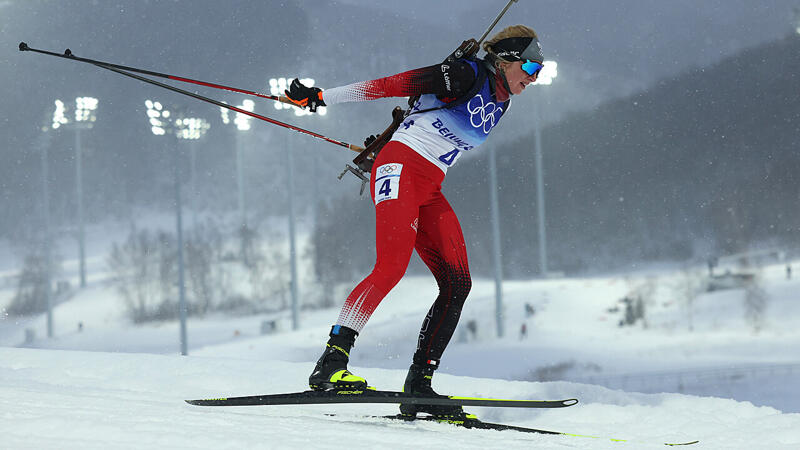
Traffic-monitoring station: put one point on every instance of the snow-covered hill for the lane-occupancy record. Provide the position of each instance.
(88, 400)
(571, 336)
(109, 383)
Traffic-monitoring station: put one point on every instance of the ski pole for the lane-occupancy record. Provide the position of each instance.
(68, 55)
(115, 68)
(232, 108)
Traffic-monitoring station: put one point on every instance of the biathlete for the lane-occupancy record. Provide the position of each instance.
(460, 103)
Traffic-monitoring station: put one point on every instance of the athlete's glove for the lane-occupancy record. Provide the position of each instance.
(303, 96)
(370, 139)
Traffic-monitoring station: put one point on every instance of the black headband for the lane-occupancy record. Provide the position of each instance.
(518, 48)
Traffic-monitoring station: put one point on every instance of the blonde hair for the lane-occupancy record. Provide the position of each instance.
(508, 32)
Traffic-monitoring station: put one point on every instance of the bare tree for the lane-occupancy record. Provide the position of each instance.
(755, 303)
(688, 288)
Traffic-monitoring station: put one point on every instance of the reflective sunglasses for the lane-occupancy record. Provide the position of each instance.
(531, 67)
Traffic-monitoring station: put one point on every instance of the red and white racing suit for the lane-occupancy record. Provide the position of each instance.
(410, 210)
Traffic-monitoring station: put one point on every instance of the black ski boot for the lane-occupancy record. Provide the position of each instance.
(418, 381)
(331, 371)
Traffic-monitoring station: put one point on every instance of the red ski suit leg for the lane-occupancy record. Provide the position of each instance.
(410, 213)
(440, 244)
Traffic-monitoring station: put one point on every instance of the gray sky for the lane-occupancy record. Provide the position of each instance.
(605, 50)
(611, 48)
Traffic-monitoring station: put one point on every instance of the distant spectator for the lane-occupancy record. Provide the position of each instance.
(472, 327)
(529, 311)
(630, 316)
(712, 262)
(638, 310)
(523, 331)
(788, 271)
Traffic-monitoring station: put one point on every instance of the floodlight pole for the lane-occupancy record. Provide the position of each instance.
(179, 227)
(48, 241)
(79, 195)
(277, 85)
(315, 192)
(546, 77)
(292, 238)
(162, 124)
(240, 180)
(193, 168)
(242, 124)
(796, 19)
(84, 118)
(496, 241)
(540, 192)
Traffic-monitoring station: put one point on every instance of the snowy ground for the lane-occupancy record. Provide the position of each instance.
(114, 385)
(87, 400)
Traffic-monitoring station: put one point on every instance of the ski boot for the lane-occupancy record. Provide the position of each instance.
(331, 371)
(418, 381)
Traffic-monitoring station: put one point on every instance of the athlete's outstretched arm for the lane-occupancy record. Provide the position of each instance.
(447, 80)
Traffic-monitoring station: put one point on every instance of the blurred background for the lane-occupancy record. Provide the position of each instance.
(668, 140)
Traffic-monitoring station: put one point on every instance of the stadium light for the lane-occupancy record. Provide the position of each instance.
(243, 121)
(192, 128)
(59, 115)
(159, 117)
(548, 73)
(85, 108)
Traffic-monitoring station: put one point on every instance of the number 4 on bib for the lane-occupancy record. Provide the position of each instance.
(450, 157)
(387, 182)
(386, 188)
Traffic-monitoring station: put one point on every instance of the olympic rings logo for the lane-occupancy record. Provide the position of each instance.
(483, 115)
(387, 169)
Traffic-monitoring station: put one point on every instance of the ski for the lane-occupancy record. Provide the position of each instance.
(474, 423)
(375, 396)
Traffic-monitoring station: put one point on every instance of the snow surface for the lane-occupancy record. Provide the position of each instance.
(72, 399)
(115, 385)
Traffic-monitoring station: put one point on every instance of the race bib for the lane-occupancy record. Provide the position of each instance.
(387, 182)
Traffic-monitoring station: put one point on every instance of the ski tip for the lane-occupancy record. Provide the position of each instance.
(682, 443)
(208, 402)
(569, 402)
